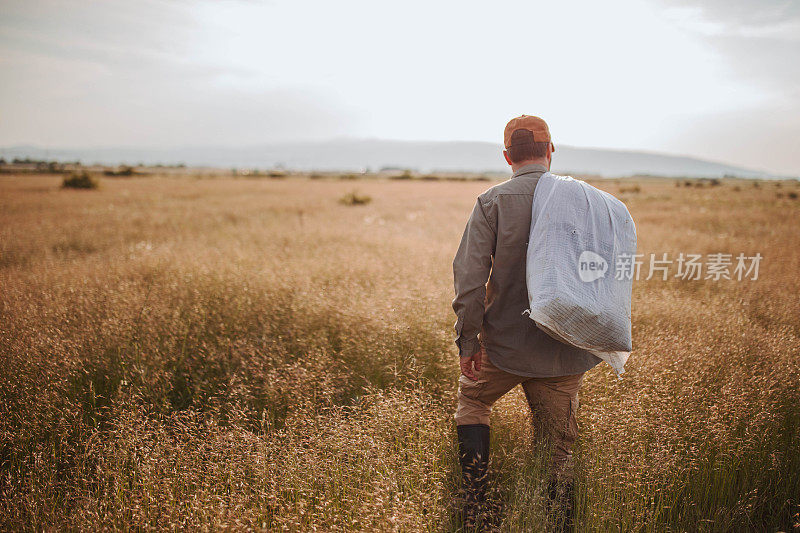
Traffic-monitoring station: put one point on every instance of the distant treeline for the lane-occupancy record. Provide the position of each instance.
(30, 165)
(40, 165)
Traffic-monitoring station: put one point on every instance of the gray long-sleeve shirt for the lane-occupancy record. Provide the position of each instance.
(494, 248)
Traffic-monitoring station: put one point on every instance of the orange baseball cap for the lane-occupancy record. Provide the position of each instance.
(535, 125)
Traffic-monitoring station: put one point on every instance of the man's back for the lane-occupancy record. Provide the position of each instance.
(494, 246)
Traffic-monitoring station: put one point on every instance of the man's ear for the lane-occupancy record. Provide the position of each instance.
(508, 159)
(552, 147)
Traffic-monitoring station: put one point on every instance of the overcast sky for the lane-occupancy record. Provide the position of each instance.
(718, 79)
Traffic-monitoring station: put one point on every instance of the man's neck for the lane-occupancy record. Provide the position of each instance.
(543, 162)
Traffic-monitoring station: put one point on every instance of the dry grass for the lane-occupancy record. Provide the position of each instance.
(252, 354)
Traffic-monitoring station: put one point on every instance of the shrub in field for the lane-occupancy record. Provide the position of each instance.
(355, 198)
(81, 180)
(124, 171)
(406, 175)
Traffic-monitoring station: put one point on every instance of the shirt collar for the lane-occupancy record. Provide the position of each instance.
(529, 169)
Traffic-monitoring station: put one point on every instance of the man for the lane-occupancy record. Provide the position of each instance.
(498, 346)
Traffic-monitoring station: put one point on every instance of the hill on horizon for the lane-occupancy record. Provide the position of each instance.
(374, 154)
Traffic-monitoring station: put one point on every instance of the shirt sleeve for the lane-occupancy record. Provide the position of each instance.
(471, 268)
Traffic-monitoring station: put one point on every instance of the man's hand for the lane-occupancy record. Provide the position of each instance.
(467, 364)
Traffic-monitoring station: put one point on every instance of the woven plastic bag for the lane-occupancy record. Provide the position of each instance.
(580, 252)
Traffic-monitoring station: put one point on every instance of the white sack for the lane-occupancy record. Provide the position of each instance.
(579, 235)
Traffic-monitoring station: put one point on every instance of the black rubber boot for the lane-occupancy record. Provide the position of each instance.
(473, 445)
(560, 505)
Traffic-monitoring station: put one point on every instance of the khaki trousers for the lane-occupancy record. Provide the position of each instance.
(553, 402)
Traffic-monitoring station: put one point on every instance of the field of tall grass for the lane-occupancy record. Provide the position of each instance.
(255, 354)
